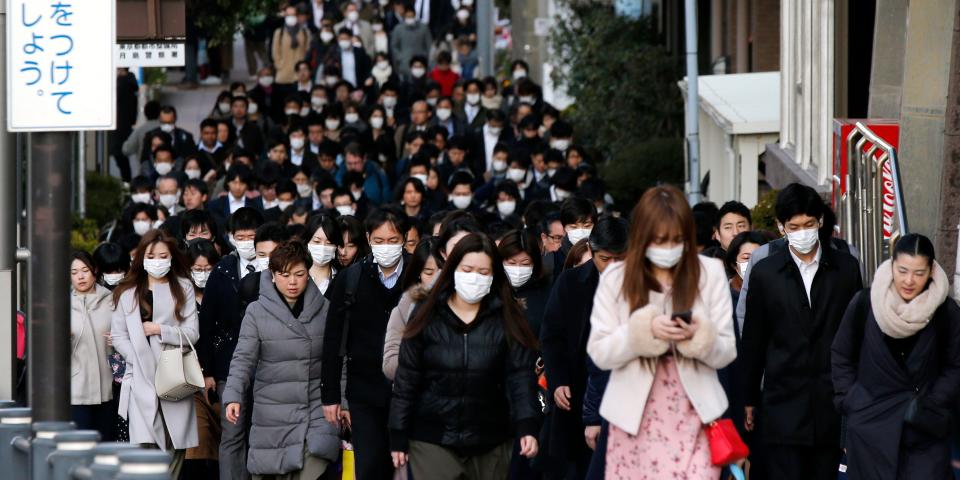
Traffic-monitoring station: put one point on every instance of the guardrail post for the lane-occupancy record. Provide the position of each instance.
(106, 463)
(14, 423)
(43, 445)
(74, 448)
(144, 465)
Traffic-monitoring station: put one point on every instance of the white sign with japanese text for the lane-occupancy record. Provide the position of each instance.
(60, 65)
(150, 54)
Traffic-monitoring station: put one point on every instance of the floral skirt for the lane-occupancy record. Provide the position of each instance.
(671, 443)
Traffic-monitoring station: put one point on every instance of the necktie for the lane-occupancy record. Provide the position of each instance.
(251, 269)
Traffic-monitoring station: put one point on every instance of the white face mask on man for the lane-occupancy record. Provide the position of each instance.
(804, 241)
(387, 255)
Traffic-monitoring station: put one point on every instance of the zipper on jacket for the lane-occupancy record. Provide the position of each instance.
(464, 350)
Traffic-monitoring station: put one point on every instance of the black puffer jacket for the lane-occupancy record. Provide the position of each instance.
(465, 387)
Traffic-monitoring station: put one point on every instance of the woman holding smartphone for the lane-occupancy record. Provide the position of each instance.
(662, 324)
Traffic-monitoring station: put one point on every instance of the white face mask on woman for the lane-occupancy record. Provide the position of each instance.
(322, 254)
(519, 275)
(200, 278)
(665, 257)
(156, 267)
(471, 287)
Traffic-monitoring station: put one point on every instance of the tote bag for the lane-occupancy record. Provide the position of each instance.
(178, 372)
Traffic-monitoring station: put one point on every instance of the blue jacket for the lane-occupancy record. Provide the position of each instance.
(376, 186)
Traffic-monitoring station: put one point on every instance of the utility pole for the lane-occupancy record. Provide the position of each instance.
(8, 236)
(485, 34)
(693, 103)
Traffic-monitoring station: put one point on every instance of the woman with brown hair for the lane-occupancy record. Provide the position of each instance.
(662, 323)
(156, 310)
(465, 384)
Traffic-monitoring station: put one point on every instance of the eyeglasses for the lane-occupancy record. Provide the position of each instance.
(555, 238)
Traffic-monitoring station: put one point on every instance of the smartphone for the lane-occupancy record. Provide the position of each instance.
(684, 316)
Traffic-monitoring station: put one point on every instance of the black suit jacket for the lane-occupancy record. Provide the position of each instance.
(220, 317)
(251, 137)
(183, 143)
(220, 207)
(362, 63)
(478, 160)
(786, 345)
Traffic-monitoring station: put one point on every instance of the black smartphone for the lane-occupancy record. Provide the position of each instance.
(684, 316)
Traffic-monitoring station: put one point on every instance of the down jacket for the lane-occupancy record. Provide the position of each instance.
(463, 386)
(280, 354)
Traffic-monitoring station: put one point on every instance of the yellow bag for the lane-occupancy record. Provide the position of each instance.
(348, 472)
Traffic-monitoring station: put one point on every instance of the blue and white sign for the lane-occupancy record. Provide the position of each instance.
(60, 65)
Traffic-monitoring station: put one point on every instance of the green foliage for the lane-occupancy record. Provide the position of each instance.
(221, 19)
(629, 110)
(763, 215)
(104, 198)
(84, 234)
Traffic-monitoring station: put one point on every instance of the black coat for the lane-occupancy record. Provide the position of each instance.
(873, 390)
(563, 344)
(183, 143)
(220, 316)
(533, 296)
(786, 345)
(463, 386)
(368, 316)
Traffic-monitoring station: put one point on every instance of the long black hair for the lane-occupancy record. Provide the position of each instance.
(514, 321)
(428, 247)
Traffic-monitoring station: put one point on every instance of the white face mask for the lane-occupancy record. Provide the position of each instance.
(577, 234)
(163, 168)
(265, 81)
(224, 107)
(804, 241)
(560, 144)
(291, 112)
(463, 15)
(444, 113)
(387, 255)
(518, 275)
(140, 198)
(304, 190)
(471, 287)
(550, 172)
(304, 111)
(461, 201)
(112, 278)
(421, 177)
(383, 65)
(261, 263)
(200, 278)
(290, 20)
(245, 248)
(418, 72)
(506, 208)
(345, 44)
(494, 131)
(283, 205)
(345, 210)
(376, 122)
(169, 200)
(353, 15)
(499, 165)
(356, 195)
(389, 102)
(141, 227)
(332, 123)
(322, 254)
(561, 194)
(192, 173)
(167, 127)
(297, 143)
(518, 74)
(473, 98)
(331, 81)
(351, 117)
(742, 269)
(326, 37)
(517, 175)
(410, 21)
(528, 100)
(318, 102)
(253, 108)
(156, 267)
(665, 257)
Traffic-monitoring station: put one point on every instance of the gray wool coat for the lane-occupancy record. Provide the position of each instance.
(280, 355)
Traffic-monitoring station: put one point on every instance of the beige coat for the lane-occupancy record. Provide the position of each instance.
(91, 379)
(285, 57)
(395, 328)
(619, 339)
(149, 416)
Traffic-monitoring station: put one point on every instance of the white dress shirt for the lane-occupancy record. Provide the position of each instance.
(807, 270)
(297, 158)
(317, 14)
(203, 148)
(489, 143)
(471, 111)
(391, 280)
(236, 204)
(423, 11)
(348, 66)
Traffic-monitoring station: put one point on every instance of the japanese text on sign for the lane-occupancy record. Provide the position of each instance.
(60, 71)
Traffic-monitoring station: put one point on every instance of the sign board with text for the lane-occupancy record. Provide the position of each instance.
(150, 54)
(60, 74)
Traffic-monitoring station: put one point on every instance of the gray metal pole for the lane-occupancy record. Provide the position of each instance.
(693, 103)
(49, 241)
(485, 26)
(8, 236)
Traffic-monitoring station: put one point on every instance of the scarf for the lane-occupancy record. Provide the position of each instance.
(381, 74)
(294, 32)
(897, 318)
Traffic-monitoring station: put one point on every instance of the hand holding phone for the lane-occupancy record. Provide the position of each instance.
(683, 316)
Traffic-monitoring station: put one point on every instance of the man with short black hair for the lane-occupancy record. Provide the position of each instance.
(238, 181)
(181, 141)
(733, 218)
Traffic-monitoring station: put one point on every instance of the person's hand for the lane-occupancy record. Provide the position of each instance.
(150, 328)
(332, 414)
(665, 327)
(689, 328)
(748, 424)
(233, 412)
(209, 384)
(399, 459)
(345, 417)
(561, 396)
(528, 446)
(591, 433)
(109, 339)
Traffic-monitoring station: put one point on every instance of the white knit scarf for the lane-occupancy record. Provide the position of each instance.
(900, 319)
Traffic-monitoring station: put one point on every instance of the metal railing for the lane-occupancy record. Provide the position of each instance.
(872, 209)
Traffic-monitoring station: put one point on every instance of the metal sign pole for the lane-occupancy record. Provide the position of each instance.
(8, 237)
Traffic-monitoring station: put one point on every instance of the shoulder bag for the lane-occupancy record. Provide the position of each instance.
(178, 373)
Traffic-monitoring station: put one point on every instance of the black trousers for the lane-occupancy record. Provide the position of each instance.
(370, 437)
(787, 462)
(101, 418)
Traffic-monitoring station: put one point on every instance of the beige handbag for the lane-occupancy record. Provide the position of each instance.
(178, 373)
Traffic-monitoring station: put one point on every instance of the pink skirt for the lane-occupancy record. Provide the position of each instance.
(671, 443)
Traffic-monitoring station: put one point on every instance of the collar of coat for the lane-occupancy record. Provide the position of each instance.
(786, 260)
(99, 294)
(274, 304)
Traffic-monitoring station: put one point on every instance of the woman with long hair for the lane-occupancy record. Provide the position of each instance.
(662, 324)
(156, 310)
(523, 264)
(323, 238)
(465, 382)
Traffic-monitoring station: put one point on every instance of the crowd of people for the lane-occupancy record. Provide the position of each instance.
(426, 271)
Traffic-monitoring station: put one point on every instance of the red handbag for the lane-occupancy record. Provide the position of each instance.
(726, 446)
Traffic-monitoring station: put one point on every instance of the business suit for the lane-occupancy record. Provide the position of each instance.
(220, 206)
(183, 143)
(361, 63)
(786, 346)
